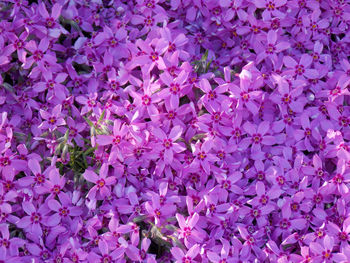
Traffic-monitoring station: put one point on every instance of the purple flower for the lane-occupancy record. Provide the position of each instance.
(188, 230)
(34, 219)
(301, 69)
(102, 182)
(150, 57)
(159, 210)
(18, 44)
(270, 8)
(64, 210)
(90, 103)
(257, 137)
(52, 120)
(169, 144)
(117, 140)
(190, 255)
(9, 245)
(203, 159)
(54, 28)
(53, 85)
(39, 55)
(105, 255)
(324, 250)
(272, 48)
(173, 93)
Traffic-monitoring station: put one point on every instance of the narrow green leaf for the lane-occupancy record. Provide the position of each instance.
(205, 56)
(90, 150)
(89, 122)
(102, 116)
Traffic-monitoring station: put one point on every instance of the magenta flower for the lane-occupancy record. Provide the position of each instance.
(101, 181)
(158, 210)
(173, 93)
(188, 230)
(18, 44)
(75, 130)
(340, 179)
(105, 254)
(245, 96)
(54, 28)
(52, 120)
(64, 210)
(301, 69)
(175, 43)
(323, 251)
(90, 104)
(39, 55)
(190, 255)
(224, 253)
(307, 133)
(10, 163)
(34, 219)
(340, 234)
(150, 57)
(203, 159)
(272, 48)
(9, 245)
(221, 130)
(213, 98)
(169, 144)
(257, 137)
(117, 140)
(251, 242)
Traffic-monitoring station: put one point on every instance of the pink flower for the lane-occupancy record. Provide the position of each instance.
(102, 182)
(173, 93)
(169, 144)
(64, 210)
(323, 251)
(301, 69)
(188, 230)
(34, 219)
(190, 255)
(52, 120)
(117, 140)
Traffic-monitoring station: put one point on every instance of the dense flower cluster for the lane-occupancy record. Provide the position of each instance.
(162, 131)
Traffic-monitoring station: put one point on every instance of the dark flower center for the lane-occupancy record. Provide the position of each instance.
(167, 143)
(146, 100)
(100, 183)
(35, 218)
(50, 22)
(38, 55)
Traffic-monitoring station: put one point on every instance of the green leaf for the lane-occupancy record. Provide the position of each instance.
(205, 55)
(102, 116)
(8, 87)
(139, 219)
(89, 122)
(66, 135)
(208, 66)
(171, 219)
(64, 151)
(198, 137)
(90, 150)
(177, 242)
(171, 227)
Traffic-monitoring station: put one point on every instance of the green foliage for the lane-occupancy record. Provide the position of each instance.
(202, 66)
